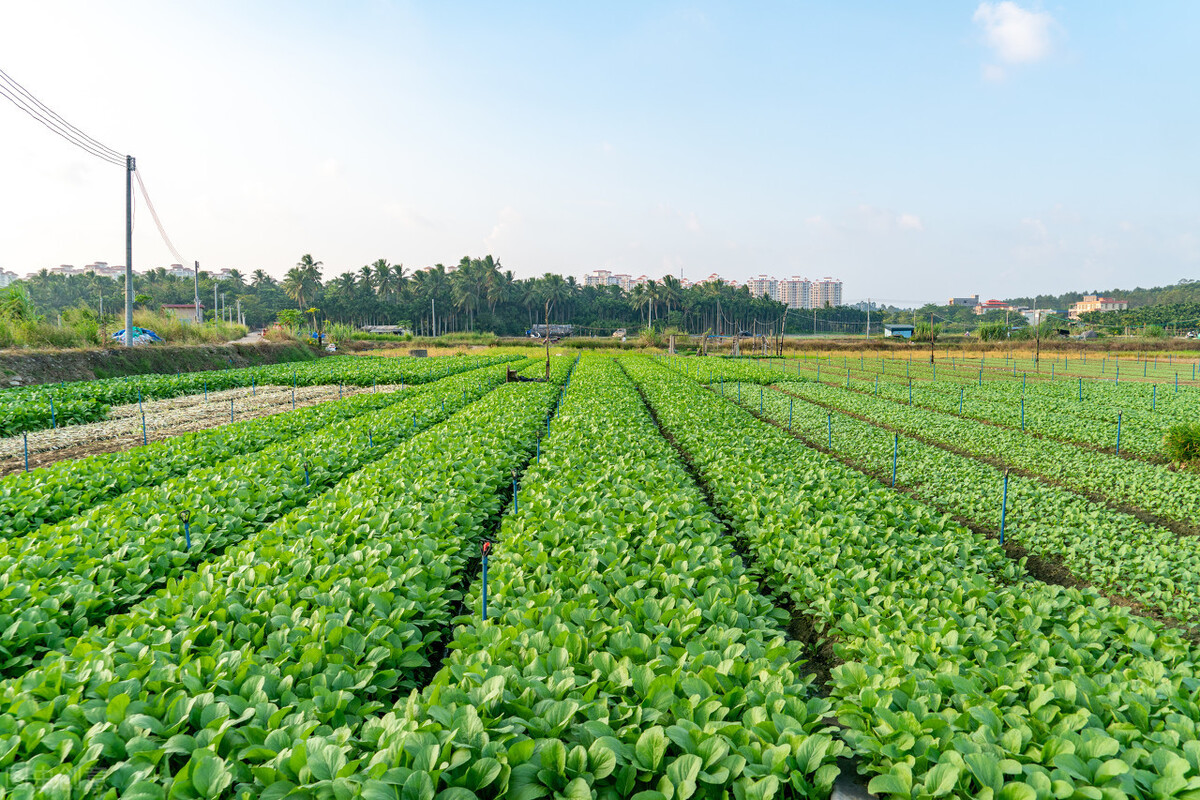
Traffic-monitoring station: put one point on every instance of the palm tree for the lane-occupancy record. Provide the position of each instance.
(671, 291)
(366, 277)
(294, 286)
(555, 291)
(383, 277)
(311, 270)
(399, 278)
(259, 278)
(235, 278)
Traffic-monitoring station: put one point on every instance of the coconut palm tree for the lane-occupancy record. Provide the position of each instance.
(295, 286)
(259, 278)
(366, 277)
(382, 277)
(235, 278)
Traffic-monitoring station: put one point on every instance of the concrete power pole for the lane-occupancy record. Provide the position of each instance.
(130, 165)
(196, 276)
(214, 302)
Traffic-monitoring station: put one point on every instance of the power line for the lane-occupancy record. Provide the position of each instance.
(16, 94)
(162, 232)
(9, 79)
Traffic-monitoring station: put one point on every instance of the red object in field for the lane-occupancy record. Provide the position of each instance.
(487, 547)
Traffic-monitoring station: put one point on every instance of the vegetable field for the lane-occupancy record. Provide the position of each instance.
(643, 578)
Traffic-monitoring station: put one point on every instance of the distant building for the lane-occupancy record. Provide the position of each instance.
(898, 331)
(1036, 315)
(185, 312)
(796, 292)
(1092, 302)
(826, 291)
(971, 301)
(600, 277)
(180, 271)
(762, 286)
(7, 277)
(992, 305)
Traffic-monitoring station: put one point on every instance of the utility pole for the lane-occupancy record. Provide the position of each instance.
(931, 337)
(130, 165)
(868, 318)
(216, 304)
(199, 316)
(547, 319)
(239, 310)
(224, 307)
(103, 332)
(432, 316)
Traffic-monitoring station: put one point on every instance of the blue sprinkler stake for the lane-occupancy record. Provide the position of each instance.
(516, 508)
(895, 458)
(1118, 433)
(25, 436)
(1022, 413)
(910, 393)
(370, 439)
(306, 483)
(539, 451)
(1081, 389)
(1003, 506)
(139, 400)
(206, 391)
(760, 398)
(960, 399)
(739, 391)
(231, 409)
(1153, 396)
(829, 420)
(791, 405)
(293, 398)
(143, 429)
(486, 548)
(254, 388)
(877, 386)
(981, 376)
(184, 517)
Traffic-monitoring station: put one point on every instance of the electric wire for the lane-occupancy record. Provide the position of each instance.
(24, 106)
(4, 76)
(157, 222)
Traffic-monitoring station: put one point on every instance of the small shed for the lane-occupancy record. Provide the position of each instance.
(900, 331)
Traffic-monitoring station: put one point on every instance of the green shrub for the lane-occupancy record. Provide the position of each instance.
(1182, 443)
(1155, 332)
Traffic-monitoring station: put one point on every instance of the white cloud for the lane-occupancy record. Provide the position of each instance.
(1017, 35)
(509, 217)
(909, 222)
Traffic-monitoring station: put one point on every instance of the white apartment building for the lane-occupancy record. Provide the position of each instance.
(7, 277)
(826, 291)
(796, 292)
(762, 286)
(600, 277)
(180, 271)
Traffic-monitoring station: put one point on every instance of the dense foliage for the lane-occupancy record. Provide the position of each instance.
(31, 408)
(960, 675)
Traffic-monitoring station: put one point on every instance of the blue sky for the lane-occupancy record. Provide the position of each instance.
(913, 150)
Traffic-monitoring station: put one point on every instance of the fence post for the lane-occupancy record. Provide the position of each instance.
(487, 546)
(1003, 507)
(895, 458)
